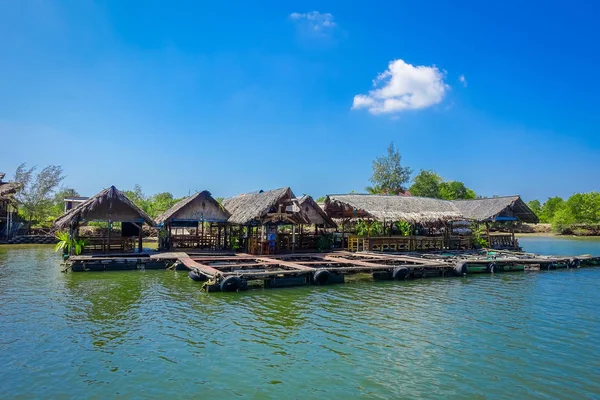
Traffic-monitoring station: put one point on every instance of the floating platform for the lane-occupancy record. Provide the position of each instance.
(232, 272)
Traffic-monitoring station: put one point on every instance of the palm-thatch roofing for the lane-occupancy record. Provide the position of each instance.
(315, 213)
(496, 209)
(108, 205)
(422, 210)
(201, 207)
(8, 189)
(261, 207)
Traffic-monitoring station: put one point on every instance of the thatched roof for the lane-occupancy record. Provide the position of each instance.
(200, 206)
(496, 208)
(412, 209)
(110, 204)
(260, 207)
(8, 189)
(315, 213)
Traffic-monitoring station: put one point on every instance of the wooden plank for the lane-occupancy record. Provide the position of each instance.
(288, 264)
(204, 269)
(368, 264)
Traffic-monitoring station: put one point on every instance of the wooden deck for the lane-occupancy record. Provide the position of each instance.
(228, 271)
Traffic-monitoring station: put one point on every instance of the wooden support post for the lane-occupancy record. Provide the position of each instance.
(140, 238)
(512, 233)
(293, 238)
(198, 237)
(218, 236)
(487, 232)
(107, 248)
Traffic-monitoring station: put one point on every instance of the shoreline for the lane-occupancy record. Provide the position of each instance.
(555, 235)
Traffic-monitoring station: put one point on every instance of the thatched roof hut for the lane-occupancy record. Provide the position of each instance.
(315, 213)
(422, 210)
(199, 207)
(508, 208)
(262, 207)
(108, 205)
(8, 189)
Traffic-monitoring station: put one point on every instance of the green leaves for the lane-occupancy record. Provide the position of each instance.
(36, 198)
(66, 243)
(152, 205)
(427, 183)
(579, 209)
(389, 176)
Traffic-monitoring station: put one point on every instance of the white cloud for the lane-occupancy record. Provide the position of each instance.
(315, 20)
(403, 87)
(463, 80)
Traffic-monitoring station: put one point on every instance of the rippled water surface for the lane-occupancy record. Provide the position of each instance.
(128, 334)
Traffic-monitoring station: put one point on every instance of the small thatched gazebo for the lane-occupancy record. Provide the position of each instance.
(7, 204)
(110, 205)
(319, 221)
(505, 210)
(195, 212)
(267, 210)
(315, 213)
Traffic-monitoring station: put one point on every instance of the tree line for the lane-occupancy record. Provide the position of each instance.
(41, 198)
(580, 211)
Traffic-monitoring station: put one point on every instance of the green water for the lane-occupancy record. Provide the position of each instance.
(155, 334)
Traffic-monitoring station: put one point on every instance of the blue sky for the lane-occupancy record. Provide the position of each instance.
(238, 96)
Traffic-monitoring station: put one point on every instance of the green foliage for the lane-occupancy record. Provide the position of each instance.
(536, 207)
(404, 228)
(66, 243)
(478, 240)
(579, 209)
(454, 190)
(368, 228)
(320, 199)
(235, 242)
(428, 183)
(389, 176)
(324, 242)
(549, 208)
(151, 205)
(36, 197)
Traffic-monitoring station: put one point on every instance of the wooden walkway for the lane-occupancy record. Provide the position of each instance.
(227, 271)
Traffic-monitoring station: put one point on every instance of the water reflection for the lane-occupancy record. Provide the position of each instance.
(107, 302)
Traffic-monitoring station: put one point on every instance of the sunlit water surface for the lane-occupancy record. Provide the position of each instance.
(155, 334)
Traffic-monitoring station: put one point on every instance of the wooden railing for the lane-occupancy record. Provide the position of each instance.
(460, 243)
(195, 242)
(101, 243)
(501, 241)
(396, 243)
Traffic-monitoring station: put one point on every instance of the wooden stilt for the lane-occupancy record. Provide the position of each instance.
(140, 238)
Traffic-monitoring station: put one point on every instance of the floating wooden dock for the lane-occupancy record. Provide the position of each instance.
(231, 272)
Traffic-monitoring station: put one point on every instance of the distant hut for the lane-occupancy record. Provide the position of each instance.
(110, 206)
(320, 222)
(316, 215)
(504, 211)
(201, 213)
(427, 216)
(261, 213)
(7, 205)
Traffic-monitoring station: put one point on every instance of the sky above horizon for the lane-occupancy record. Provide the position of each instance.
(234, 97)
